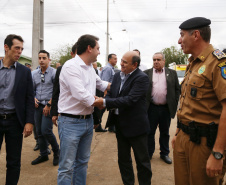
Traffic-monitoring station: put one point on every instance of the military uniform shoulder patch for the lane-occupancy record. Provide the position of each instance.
(223, 72)
(222, 66)
(219, 54)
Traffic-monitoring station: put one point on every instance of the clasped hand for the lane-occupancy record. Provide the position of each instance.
(98, 102)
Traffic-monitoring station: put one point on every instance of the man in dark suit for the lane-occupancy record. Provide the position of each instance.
(16, 105)
(162, 99)
(97, 112)
(126, 100)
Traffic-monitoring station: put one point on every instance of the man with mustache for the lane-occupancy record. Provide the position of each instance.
(200, 138)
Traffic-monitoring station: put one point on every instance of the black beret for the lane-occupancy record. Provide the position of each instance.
(196, 22)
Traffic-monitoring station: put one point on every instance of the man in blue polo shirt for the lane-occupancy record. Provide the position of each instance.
(43, 79)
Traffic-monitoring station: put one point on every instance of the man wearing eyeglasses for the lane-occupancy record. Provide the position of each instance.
(43, 80)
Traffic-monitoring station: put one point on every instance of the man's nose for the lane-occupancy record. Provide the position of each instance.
(179, 41)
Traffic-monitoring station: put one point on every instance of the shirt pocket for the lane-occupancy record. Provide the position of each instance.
(196, 87)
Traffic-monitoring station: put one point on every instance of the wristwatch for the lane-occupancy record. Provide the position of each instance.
(48, 105)
(217, 155)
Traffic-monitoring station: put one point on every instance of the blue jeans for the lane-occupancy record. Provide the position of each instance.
(44, 129)
(12, 131)
(75, 143)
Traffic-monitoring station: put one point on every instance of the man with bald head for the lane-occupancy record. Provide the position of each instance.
(126, 101)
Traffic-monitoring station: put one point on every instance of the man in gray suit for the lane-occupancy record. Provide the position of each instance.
(162, 99)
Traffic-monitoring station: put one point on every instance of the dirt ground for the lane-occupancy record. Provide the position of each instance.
(102, 169)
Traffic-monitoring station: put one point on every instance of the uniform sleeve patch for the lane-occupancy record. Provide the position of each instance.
(223, 72)
(219, 54)
(222, 64)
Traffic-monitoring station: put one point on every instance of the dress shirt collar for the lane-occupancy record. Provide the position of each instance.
(123, 75)
(81, 62)
(110, 65)
(47, 70)
(1, 65)
(162, 70)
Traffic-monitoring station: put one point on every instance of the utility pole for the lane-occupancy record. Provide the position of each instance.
(38, 31)
(107, 35)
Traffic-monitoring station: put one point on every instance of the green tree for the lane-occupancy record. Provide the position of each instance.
(173, 54)
(99, 64)
(61, 55)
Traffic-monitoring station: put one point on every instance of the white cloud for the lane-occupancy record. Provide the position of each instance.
(150, 25)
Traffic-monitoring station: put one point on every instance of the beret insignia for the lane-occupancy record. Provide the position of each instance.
(219, 54)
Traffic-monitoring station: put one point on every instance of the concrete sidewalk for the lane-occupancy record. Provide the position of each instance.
(102, 169)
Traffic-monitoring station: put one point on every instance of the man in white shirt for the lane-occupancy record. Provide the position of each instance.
(78, 83)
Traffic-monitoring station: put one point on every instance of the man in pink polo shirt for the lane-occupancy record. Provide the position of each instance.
(162, 100)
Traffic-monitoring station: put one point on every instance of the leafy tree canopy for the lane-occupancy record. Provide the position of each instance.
(173, 54)
(61, 55)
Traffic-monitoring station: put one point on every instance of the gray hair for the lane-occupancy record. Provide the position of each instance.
(161, 53)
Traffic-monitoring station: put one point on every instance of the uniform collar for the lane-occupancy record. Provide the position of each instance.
(204, 54)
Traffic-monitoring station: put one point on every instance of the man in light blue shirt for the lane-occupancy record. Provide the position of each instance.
(43, 80)
(107, 74)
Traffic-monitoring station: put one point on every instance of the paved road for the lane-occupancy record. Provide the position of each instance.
(103, 166)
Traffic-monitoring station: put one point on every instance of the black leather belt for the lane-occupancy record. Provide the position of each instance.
(165, 105)
(7, 116)
(77, 116)
(202, 131)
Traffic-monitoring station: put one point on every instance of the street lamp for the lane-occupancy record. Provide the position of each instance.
(108, 36)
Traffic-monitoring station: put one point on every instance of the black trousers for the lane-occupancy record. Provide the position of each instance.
(159, 115)
(12, 130)
(139, 146)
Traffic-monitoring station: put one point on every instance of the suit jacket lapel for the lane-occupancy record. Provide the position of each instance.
(129, 80)
(17, 77)
(115, 86)
(167, 75)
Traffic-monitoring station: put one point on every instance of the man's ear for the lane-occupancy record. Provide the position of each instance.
(197, 34)
(135, 64)
(89, 48)
(6, 47)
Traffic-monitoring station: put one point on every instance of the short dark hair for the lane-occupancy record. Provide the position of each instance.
(110, 55)
(9, 39)
(44, 51)
(205, 33)
(137, 51)
(74, 48)
(27, 64)
(224, 50)
(84, 41)
(136, 59)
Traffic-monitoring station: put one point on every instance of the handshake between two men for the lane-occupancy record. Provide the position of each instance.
(99, 102)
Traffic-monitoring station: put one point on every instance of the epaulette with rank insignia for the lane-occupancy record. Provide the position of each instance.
(219, 54)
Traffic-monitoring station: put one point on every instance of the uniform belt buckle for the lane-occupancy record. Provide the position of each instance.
(84, 116)
(4, 116)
